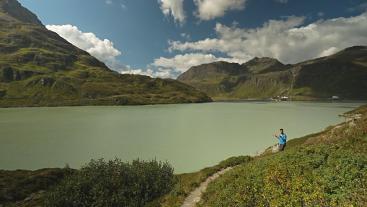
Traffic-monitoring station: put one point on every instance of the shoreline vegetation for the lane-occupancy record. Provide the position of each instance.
(271, 101)
(211, 101)
(301, 174)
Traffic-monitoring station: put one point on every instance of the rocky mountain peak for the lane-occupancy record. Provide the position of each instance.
(263, 60)
(13, 10)
(263, 64)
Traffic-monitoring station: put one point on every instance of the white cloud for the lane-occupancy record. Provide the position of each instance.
(109, 2)
(164, 73)
(160, 72)
(102, 49)
(181, 63)
(329, 51)
(175, 8)
(129, 70)
(210, 9)
(288, 40)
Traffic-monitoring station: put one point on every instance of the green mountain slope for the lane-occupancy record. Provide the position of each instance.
(343, 74)
(39, 68)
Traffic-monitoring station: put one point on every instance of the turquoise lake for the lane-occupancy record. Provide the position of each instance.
(189, 136)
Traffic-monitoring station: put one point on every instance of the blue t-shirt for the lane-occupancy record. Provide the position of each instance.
(282, 138)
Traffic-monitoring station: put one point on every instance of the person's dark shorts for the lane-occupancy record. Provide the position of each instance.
(282, 146)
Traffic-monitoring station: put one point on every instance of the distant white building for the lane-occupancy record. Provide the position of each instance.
(335, 97)
(284, 98)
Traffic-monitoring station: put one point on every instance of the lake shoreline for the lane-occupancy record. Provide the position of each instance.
(78, 131)
(307, 101)
(190, 103)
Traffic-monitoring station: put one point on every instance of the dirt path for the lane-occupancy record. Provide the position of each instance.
(195, 195)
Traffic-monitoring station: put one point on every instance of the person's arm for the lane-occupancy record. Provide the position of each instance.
(276, 136)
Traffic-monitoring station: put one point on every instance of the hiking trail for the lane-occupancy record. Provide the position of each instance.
(195, 196)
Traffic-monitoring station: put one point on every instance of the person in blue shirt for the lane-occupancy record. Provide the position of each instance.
(282, 137)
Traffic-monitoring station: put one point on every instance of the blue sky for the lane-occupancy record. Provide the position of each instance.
(166, 37)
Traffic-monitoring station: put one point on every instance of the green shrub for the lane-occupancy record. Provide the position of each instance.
(233, 161)
(113, 183)
(18, 185)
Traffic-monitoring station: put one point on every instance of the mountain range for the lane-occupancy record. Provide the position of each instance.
(342, 75)
(39, 68)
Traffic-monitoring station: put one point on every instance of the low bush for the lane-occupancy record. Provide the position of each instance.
(113, 183)
(18, 185)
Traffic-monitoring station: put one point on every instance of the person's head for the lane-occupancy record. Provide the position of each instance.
(281, 131)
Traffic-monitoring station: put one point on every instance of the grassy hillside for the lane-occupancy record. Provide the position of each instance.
(39, 68)
(343, 74)
(324, 169)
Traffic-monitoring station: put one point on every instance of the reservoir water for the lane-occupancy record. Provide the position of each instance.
(189, 136)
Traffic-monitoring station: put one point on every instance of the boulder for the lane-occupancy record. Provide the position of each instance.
(2, 93)
(6, 74)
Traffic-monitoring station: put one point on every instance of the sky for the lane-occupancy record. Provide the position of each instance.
(164, 38)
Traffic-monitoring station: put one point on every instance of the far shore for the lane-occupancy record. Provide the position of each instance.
(214, 101)
(298, 100)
